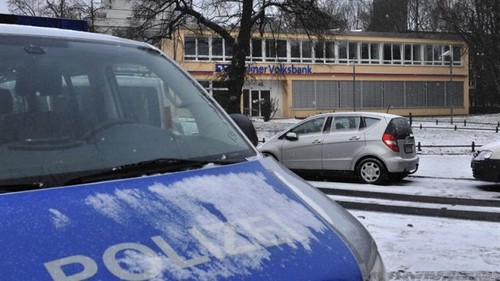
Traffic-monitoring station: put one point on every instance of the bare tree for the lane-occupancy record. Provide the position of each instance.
(27, 7)
(354, 14)
(478, 22)
(423, 15)
(70, 9)
(235, 21)
(90, 11)
(389, 16)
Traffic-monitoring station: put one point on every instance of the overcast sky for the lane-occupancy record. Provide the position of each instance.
(3, 7)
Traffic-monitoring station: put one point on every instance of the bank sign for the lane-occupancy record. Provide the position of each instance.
(270, 69)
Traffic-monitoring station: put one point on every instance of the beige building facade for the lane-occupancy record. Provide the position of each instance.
(417, 74)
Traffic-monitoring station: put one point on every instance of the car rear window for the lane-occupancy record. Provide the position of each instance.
(399, 127)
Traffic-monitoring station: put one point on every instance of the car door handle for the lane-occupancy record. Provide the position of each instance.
(354, 138)
(316, 141)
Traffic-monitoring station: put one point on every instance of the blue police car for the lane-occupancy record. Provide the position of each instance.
(116, 165)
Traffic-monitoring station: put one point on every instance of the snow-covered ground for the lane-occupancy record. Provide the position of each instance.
(426, 244)
(428, 248)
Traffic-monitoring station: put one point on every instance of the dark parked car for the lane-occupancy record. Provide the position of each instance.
(486, 162)
(373, 146)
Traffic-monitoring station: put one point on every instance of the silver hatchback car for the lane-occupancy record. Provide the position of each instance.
(375, 147)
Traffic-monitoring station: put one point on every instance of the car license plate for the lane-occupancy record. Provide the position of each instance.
(408, 148)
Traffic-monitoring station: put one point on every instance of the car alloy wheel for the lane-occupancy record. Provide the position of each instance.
(371, 171)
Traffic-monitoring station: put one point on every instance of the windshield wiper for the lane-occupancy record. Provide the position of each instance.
(160, 165)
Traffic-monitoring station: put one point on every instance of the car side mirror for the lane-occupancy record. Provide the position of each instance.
(291, 136)
(246, 125)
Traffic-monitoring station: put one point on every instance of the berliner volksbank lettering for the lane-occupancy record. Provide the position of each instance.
(282, 69)
(272, 69)
(279, 69)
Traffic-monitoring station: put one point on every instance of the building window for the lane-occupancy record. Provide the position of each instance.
(415, 94)
(319, 52)
(327, 94)
(271, 53)
(365, 52)
(393, 53)
(331, 94)
(393, 94)
(374, 53)
(343, 52)
(307, 47)
(387, 54)
(428, 54)
(417, 54)
(276, 50)
(306, 51)
(438, 50)
(190, 48)
(353, 52)
(408, 54)
(372, 94)
(203, 48)
(206, 48)
(304, 94)
(256, 49)
(217, 49)
(456, 92)
(435, 94)
(196, 48)
(295, 51)
(216, 89)
(457, 55)
(281, 50)
(396, 53)
(228, 50)
(330, 52)
(370, 53)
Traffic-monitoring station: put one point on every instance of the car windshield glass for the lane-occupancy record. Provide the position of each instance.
(71, 108)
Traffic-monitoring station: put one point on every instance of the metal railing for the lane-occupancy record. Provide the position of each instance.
(473, 146)
(456, 128)
(411, 118)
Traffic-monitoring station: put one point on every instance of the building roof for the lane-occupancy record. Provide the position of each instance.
(361, 33)
(408, 34)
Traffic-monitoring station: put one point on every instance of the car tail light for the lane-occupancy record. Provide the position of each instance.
(391, 142)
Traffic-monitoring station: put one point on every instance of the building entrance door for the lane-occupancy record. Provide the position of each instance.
(257, 103)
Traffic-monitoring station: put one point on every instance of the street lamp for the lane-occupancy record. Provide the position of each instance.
(354, 85)
(449, 54)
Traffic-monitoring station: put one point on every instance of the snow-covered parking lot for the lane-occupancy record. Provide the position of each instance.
(424, 247)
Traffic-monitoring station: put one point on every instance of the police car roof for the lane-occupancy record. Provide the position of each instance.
(25, 30)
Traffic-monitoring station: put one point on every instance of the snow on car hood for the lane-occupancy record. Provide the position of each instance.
(235, 222)
(494, 147)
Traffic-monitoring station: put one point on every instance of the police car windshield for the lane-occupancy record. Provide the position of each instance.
(70, 107)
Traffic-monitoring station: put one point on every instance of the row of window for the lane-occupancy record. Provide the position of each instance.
(334, 52)
(322, 95)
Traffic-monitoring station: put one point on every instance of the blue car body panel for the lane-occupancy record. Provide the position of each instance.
(234, 222)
